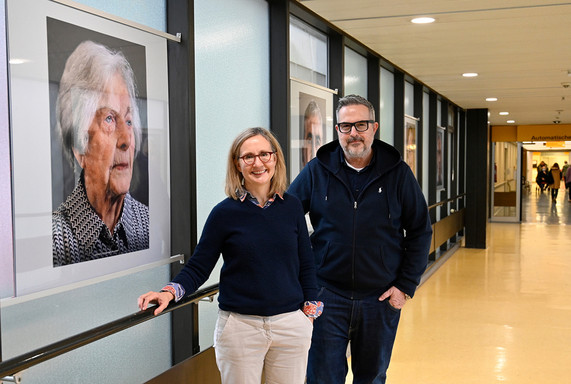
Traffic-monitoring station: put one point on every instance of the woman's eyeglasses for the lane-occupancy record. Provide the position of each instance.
(250, 158)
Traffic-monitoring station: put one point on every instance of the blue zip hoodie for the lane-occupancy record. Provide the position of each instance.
(364, 246)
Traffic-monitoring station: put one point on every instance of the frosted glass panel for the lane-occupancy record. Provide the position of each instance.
(232, 94)
(355, 73)
(409, 99)
(307, 53)
(34, 323)
(151, 13)
(6, 265)
(387, 119)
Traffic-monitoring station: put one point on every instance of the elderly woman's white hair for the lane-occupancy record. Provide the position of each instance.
(86, 73)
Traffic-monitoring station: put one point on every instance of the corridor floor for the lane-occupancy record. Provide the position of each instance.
(495, 315)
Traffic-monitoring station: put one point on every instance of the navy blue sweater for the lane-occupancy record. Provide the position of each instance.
(268, 264)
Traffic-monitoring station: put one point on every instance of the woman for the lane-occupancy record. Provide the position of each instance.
(267, 282)
(100, 128)
(554, 181)
(542, 176)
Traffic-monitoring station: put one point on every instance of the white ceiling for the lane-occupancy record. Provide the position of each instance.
(521, 50)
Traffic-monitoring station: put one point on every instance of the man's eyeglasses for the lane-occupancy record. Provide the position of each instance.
(360, 126)
(250, 158)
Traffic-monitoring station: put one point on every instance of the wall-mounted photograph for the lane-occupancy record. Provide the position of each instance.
(89, 132)
(100, 181)
(311, 122)
(439, 157)
(410, 132)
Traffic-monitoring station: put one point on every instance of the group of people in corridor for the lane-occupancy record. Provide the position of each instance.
(551, 179)
(291, 304)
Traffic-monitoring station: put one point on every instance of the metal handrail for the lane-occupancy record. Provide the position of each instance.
(447, 201)
(14, 365)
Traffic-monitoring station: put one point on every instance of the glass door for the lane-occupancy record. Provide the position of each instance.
(506, 181)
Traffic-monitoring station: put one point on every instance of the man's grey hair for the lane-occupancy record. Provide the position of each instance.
(355, 100)
(87, 72)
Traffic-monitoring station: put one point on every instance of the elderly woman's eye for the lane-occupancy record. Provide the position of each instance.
(109, 119)
(129, 123)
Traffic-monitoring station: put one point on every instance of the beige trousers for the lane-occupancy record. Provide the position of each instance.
(247, 345)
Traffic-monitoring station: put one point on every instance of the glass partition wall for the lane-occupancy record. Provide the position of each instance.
(506, 185)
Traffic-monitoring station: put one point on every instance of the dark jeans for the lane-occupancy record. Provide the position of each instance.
(369, 324)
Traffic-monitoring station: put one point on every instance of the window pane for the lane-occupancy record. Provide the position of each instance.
(307, 53)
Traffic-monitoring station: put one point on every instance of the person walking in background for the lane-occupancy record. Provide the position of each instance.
(268, 289)
(554, 180)
(371, 238)
(542, 178)
(568, 181)
(564, 173)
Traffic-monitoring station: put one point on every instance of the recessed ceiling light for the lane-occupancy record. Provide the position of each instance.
(510, 121)
(504, 113)
(422, 20)
(470, 74)
(491, 99)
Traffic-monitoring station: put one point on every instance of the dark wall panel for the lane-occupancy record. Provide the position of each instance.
(477, 180)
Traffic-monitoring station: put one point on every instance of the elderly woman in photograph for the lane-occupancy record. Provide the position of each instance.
(312, 132)
(98, 120)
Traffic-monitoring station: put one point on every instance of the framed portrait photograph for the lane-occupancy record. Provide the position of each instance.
(311, 122)
(89, 124)
(440, 157)
(410, 140)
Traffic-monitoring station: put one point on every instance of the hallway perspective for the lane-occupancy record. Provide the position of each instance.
(495, 315)
(499, 315)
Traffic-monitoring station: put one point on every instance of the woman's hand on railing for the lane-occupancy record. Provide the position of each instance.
(161, 298)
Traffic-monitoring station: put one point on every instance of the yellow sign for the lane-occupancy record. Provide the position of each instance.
(544, 132)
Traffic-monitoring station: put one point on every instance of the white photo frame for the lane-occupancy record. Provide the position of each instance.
(302, 94)
(31, 110)
(410, 143)
(440, 137)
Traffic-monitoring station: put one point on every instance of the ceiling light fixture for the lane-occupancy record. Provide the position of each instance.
(491, 99)
(470, 74)
(422, 20)
(504, 113)
(510, 121)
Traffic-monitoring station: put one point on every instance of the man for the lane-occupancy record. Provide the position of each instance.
(568, 182)
(98, 121)
(564, 172)
(312, 132)
(371, 238)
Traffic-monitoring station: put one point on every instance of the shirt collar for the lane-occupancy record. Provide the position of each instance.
(243, 194)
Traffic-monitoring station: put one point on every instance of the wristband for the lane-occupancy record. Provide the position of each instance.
(313, 309)
(170, 290)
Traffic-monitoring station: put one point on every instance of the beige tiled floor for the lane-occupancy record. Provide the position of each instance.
(499, 315)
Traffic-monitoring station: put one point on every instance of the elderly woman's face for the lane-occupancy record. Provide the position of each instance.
(313, 137)
(108, 160)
